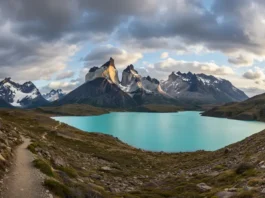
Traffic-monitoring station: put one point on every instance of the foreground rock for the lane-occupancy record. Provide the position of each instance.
(204, 187)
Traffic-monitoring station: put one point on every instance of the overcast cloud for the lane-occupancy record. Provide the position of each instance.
(39, 39)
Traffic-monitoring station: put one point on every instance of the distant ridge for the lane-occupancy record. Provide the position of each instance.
(201, 88)
(251, 109)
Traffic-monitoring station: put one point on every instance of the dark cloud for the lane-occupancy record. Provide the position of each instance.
(230, 29)
(38, 37)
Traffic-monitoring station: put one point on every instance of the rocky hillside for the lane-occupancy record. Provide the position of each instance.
(21, 95)
(79, 164)
(251, 109)
(201, 88)
(54, 95)
(9, 138)
(4, 104)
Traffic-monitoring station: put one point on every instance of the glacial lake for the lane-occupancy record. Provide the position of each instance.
(168, 132)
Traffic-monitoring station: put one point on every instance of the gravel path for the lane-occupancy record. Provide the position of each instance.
(23, 180)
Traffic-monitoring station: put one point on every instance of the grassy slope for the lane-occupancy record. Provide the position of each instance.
(102, 166)
(72, 110)
(86, 110)
(251, 109)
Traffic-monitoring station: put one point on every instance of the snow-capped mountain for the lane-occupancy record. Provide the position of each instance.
(21, 95)
(54, 95)
(201, 88)
(143, 89)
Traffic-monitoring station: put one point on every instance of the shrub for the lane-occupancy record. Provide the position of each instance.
(243, 167)
(69, 171)
(32, 147)
(57, 188)
(245, 194)
(43, 166)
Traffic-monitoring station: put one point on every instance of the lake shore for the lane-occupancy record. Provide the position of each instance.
(110, 168)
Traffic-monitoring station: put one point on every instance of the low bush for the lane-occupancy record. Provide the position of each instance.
(43, 166)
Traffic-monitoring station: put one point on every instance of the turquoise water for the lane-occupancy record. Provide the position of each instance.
(169, 132)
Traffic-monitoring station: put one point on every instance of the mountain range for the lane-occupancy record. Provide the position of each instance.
(201, 88)
(179, 88)
(103, 88)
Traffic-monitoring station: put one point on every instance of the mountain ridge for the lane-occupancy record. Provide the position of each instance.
(54, 95)
(24, 95)
(250, 109)
(201, 88)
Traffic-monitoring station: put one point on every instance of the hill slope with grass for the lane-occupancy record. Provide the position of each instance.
(79, 164)
(251, 109)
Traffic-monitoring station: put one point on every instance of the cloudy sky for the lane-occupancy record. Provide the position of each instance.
(55, 42)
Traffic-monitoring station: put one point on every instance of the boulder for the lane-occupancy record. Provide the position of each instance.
(225, 194)
(204, 187)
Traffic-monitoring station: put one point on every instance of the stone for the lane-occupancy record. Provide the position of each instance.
(263, 191)
(106, 168)
(204, 187)
(2, 158)
(225, 194)
(95, 176)
(232, 189)
(58, 161)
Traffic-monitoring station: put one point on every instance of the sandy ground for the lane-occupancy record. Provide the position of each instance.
(23, 180)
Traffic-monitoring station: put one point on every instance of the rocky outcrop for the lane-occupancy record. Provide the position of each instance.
(9, 138)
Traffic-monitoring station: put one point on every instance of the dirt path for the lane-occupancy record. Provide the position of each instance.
(23, 180)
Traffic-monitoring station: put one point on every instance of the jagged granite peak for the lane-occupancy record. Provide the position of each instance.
(153, 80)
(201, 88)
(54, 95)
(107, 70)
(129, 76)
(93, 69)
(24, 95)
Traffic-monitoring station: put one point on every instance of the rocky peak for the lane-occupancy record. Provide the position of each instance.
(172, 76)
(93, 69)
(54, 95)
(152, 80)
(129, 68)
(109, 63)
(129, 75)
